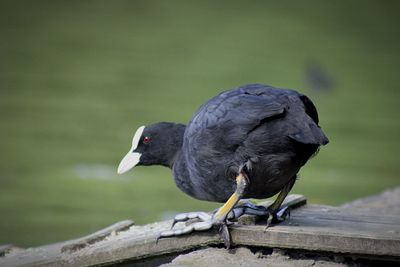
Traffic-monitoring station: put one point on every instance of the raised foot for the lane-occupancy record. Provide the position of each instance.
(197, 221)
(203, 223)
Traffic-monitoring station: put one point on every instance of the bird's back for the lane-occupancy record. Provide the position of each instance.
(273, 130)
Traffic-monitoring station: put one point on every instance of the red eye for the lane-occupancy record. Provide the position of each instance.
(146, 140)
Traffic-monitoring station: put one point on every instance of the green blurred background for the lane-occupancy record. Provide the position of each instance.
(78, 77)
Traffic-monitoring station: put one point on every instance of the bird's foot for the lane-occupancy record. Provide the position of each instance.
(198, 221)
(246, 207)
(202, 221)
(278, 216)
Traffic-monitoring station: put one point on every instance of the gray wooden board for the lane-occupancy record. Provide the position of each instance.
(312, 227)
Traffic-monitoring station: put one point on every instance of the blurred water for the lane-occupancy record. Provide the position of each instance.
(78, 77)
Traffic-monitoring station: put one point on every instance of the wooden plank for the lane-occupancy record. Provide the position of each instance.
(311, 233)
(143, 243)
(310, 227)
(7, 248)
(97, 236)
(136, 243)
(338, 214)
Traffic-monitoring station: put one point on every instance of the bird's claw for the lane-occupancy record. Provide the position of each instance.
(226, 236)
(184, 217)
(202, 221)
(277, 217)
(249, 208)
(205, 222)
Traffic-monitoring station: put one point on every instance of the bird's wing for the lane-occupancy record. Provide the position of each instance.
(230, 116)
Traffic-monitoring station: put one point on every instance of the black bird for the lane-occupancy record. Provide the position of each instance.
(248, 142)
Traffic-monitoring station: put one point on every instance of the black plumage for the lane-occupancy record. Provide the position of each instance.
(273, 131)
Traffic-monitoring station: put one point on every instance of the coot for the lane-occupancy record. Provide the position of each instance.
(247, 142)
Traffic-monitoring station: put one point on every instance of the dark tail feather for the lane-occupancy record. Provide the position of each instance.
(311, 133)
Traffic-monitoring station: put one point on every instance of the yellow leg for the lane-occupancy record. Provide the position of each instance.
(273, 209)
(281, 197)
(242, 182)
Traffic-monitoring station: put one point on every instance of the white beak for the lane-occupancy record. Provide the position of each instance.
(132, 158)
(128, 162)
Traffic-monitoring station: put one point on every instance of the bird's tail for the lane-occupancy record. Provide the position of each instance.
(309, 133)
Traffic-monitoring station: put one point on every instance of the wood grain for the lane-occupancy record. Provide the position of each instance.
(310, 227)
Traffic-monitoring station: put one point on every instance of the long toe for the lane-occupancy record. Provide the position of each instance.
(196, 226)
(278, 216)
(204, 222)
(282, 214)
(184, 217)
(225, 235)
(247, 208)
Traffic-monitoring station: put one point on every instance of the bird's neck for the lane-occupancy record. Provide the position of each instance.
(174, 145)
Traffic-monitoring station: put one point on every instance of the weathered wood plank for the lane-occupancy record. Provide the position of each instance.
(143, 243)
(324, 228)
(140, 242)
(7, 248)
(338, 214)
(310, 227)
(342, 237)
(97, 236)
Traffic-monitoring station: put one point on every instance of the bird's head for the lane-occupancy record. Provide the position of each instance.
(156, 144)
